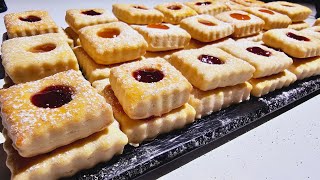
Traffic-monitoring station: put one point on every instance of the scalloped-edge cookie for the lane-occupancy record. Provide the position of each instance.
(145, 129)
(317, 22)
(174, 12)
(209, 68)
(299, 25)
(297, 44)
(265, 85)
(150, 87)
(43, 115)
(249, 3)
(29, 23)
(272, 19)
(67, 160)
(211, 7)
(304, 68)
(112, 43)
(206, 102)
(35, 57)
(73, 35)
(137, 14)
(206, 28)
(233, 5)
(244, 24)
(266, 61)
(79, 18)
(163, 37)
(296, 12)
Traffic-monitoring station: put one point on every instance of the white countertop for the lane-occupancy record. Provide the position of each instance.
(286, 147)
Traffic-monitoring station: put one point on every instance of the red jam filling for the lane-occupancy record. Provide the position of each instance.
(266, 11)
(43, 48)
(174, 7)
(91, 13)
(209, 59)
(30, 18)
(259, 51)
(205, 22)
(148, 75)
(53, 96)
(109, 33)
(203, 3)
(239, 16)
(158, 26)
(140, 7)
(297, 37)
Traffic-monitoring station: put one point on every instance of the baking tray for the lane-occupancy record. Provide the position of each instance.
(165, 149)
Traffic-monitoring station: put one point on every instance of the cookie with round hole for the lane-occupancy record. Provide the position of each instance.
(174, 12)
(210, 7)
(32, 58)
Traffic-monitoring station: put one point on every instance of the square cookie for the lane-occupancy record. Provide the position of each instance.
(79, 18)
(297, 44)
(43, 115)
(163, 37)
(206, 28)
(266, 61)
(298, 25)
(174, 12)
(32, 58)
(304, 68)
(255, 38)
(272, 19)
(209, 68)
(137, 14)
(265, 85)
(206, 102)
(249, 3)
(138, 131)
(29, 23)
(112, 43)
(244, 24)
(150, 87)
(67, 160)
(211, 7)
(296, 12)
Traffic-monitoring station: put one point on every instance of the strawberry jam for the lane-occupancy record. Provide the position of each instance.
(174, 7)
(239, 16)
(266, 11)
(91, 13)
(297, 37)
(149, 75)
(209, 59)
(158, 26)
(203, 3)
(259, 51)
(53, 96)
(30, 18)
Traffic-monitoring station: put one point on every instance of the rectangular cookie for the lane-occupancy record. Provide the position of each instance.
(304, 68)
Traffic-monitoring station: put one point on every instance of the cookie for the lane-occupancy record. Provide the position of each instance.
(299, 25)
(210, 7)
(174, 12)
(304, 68)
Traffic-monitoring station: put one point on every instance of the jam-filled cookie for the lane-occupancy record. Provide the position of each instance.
(67, 160)
(29, 23)
(266, 61)
(175, 12)
(32, 58)
(209, 68)
(312, 31)
(265, 85)
(249, 3)
(244, 24)
(206, 102)
(43, 115)
(272, 19)
(138, 130)
(296, 12)
(206, 28)
(233, 5)
(112, 43)
(150, 87)
(299, 25)
(163, 37)
(79, 18)
(137, 14)
(294, 43)
(73, 35)
(304, 68)
(211, 7)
